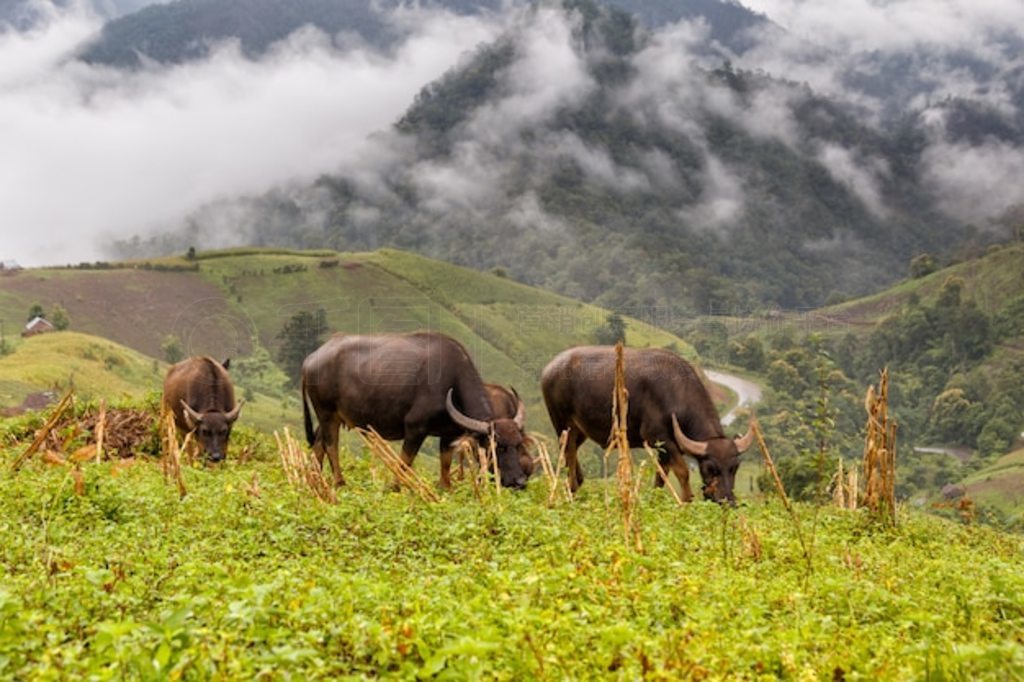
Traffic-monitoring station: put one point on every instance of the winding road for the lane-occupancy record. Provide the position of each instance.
(748, 392)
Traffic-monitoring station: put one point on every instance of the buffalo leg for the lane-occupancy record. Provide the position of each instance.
(446, 463)
(681, 469)
(410, 448)
(572, 463)
(327, 443)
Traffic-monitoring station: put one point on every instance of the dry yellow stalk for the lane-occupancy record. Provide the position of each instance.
(404, 474)
(41, 435)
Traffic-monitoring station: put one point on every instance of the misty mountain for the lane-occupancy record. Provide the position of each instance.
(586, 155)
(22, 15)
(730, 23)
(185, 30)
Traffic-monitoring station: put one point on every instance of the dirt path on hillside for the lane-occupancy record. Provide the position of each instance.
(748, 392)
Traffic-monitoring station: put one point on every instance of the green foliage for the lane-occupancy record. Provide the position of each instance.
(710, 339)
(257, 372)
(35, 311)
(747, 353)
(922, 265)
(171, 349)
(612, 331)
(246, 577)
(59, 318)
(300, 336)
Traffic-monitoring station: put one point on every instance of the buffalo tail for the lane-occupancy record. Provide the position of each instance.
(307, 420)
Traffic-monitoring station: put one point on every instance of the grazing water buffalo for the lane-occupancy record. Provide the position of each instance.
(408, 387)
(198, 392)
(668, 404)
(507, 405)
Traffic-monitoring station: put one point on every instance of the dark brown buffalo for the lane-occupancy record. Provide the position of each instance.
(198, 391)
(506, 404)
(668, 404)
(407, 387)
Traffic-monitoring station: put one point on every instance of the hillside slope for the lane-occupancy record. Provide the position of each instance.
(94, 366)
(235, 304)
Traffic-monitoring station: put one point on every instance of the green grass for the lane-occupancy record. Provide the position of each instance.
(247, 578)
(989, 280)
(96, 367)
(999, 486)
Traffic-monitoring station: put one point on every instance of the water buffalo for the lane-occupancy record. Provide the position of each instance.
(667, 401)
(408, 387)
(506, 404)
(199, 393)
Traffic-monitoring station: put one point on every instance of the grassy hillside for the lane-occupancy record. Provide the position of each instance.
(247, 577)
(234, 303)
(99, 368)
(1000, 486)
(95, 367)
(989, 280)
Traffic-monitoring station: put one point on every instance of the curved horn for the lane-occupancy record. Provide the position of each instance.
(520, 418)
(744, 442)
(233, 414)
(462, 420)
(191, 416)
(694, 447)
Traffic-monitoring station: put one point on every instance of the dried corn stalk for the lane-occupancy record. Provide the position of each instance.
(629, 497)
(404, 474)
(44, 432)
(171, 452)
(302, 469)
(880, 454)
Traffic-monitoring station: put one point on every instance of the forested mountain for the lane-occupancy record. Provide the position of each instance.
(184, 30)
(569, 154)
(620, 164)
(25, 14)
(728, 22)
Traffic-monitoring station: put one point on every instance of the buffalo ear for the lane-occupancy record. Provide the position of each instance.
(226, 364)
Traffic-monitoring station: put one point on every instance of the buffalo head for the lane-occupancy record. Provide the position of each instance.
(718, 459)
(212, 429)
(514, 461)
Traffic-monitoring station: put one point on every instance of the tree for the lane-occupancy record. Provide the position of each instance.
(59, 318)
(612, 331)
(35, 311)
(747, 353)
(300, 336)
(171, 348)
(191, 255)
(922, 265)
(949, 416)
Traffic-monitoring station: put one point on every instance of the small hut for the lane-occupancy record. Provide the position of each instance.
(37, 325)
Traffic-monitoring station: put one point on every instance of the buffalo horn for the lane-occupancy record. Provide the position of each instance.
(520, 418)
(744, 442)
(233, 414)
(462, 420)
(694, 447)
(191, 416)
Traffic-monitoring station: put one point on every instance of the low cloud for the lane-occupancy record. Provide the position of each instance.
(861, 176)
(93, 153)
(975, 183)
(889, 25)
